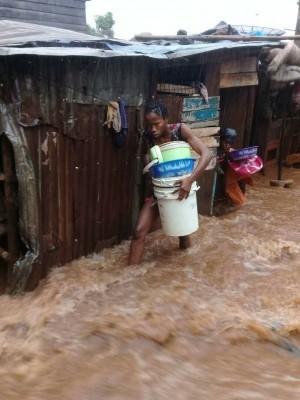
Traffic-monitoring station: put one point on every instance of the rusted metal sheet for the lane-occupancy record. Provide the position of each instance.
(80, 197)
(37, 40)
(85, 188)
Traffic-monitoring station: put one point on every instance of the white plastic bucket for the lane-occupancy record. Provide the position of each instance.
(178, 217)
(168, 182)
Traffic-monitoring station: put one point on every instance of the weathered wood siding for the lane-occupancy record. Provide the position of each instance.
(241, 72)
(237, 112)
(197, 113)
(64, 14)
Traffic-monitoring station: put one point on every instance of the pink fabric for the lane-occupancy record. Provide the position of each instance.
(247, 166)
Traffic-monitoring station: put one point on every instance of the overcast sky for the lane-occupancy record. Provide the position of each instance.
(163, 17)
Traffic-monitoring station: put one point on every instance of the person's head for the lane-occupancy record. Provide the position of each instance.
(227, 137)
(156, 117)
(181, 32)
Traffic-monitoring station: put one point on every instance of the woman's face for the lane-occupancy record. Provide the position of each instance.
(156, 125)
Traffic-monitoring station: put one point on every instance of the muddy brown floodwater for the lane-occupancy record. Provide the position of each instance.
(218, 321)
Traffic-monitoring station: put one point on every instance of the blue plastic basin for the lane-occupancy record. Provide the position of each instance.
(242, 154)
(183, 166)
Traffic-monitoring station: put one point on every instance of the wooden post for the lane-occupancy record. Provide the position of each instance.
(215, 38)
(282, 133)
(297, 31)
(10, 200)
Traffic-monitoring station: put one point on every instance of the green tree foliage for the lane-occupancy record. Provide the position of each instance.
(104, 25)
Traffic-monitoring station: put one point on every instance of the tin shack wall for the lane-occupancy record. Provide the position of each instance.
(85, 185)
(80, 192)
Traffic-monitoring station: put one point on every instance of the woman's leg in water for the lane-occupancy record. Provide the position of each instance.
(185, 242)
(148, 214)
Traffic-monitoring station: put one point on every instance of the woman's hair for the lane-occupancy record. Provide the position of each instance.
(157, 108)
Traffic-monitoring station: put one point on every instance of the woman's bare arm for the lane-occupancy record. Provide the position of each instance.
(205, 154)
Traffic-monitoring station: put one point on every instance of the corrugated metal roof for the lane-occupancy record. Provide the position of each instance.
(21, 38)
(153, 51)
(17, 33)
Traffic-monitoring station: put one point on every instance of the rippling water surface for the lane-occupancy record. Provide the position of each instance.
(218, 321)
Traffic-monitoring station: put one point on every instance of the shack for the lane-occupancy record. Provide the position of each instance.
(276, 127)
(67, 188)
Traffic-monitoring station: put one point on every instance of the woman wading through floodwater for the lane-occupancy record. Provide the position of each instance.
(159, 131)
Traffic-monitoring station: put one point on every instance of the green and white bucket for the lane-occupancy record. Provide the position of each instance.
(170, 151)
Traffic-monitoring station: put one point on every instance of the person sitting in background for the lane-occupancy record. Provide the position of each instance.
(233, 182)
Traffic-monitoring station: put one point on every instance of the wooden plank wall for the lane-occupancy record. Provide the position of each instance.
(203, 118)
(197, 113)
(241, 72)
(270, 103)
(58, 13)
(236, 112)
(271, 139)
